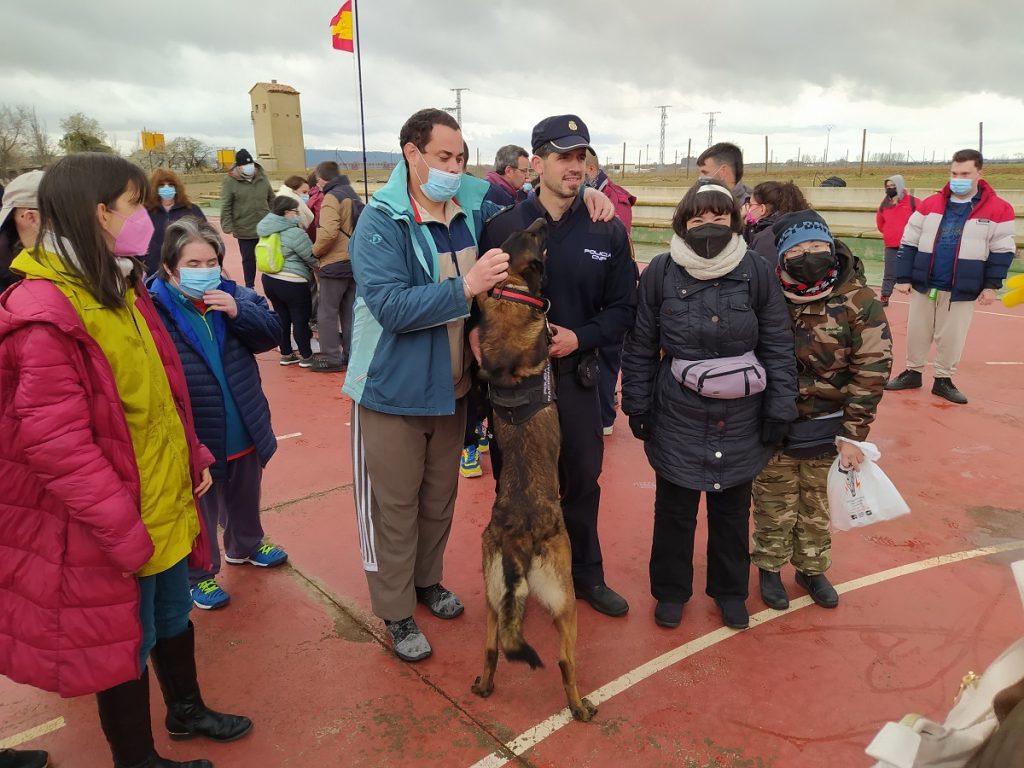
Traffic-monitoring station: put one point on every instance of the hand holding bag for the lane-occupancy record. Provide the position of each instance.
(859, 497)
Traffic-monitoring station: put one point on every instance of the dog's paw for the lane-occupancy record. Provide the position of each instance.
(480, 690)
(584, 712)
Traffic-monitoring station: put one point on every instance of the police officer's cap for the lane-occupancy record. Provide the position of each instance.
(564, 132)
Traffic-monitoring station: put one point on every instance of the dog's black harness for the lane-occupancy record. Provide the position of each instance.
(518, 404)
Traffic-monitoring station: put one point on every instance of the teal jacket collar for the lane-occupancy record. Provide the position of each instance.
(393, 199)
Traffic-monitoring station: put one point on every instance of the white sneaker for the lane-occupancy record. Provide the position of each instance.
(607, 431)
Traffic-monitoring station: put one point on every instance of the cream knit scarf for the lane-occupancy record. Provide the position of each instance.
(707, 269)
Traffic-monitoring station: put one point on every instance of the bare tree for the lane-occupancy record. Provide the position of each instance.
(188, 154)
(12, 132)
(150, 158)
(38, 146)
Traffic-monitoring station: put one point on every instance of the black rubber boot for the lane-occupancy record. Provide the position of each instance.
(820, 589)
(124, 716)
(773, 593)
(906, 380)
(945, 388)
(174, 662)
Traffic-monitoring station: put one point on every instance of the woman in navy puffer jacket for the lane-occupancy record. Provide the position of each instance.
(218, 327)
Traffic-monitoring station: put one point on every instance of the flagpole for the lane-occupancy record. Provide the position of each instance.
(362, 121)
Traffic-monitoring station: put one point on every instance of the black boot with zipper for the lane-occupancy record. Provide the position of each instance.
(174, 661)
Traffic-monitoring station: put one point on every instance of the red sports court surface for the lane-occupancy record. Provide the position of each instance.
(928, 598)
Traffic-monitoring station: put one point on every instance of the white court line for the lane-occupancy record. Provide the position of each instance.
(32, 733)
(1005, 362)
(289, 436)
(532, 737)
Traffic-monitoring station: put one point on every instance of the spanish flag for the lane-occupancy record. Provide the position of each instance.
(341, 28)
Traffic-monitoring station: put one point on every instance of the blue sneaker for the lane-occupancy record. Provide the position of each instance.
(208, 596)
(483, 438)
(265, 556)
(469, 465)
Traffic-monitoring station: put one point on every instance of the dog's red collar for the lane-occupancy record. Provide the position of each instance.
(519, 296)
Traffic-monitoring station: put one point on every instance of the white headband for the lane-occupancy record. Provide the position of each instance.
(714, 188)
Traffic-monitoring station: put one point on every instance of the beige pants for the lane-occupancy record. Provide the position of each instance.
(405, 478)
(943, 321)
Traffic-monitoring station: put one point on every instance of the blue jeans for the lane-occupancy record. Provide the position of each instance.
(164, 604)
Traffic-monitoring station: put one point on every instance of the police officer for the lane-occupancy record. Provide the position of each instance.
(591, 283)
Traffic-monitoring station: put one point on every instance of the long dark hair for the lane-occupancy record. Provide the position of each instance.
(68, 196)
(780, 197)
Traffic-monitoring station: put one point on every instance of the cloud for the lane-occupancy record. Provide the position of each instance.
(924, 74)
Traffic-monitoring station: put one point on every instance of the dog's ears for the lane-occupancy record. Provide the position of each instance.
(538, 226)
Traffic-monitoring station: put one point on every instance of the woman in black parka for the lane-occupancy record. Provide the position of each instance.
(709, 299)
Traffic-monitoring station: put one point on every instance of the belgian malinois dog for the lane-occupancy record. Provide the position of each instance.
(525, 545)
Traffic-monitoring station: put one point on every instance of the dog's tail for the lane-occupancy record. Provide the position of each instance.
(510, 616)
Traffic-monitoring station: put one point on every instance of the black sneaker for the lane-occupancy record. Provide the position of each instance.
(820, 589)
(734, 613)
(946, 389)
(442, 602)
(773, 593)
(323, 365)
(906, 380)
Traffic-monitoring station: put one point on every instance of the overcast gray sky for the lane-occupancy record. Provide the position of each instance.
(921, 74)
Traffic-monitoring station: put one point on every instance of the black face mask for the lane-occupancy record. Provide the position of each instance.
(809, 268)
(708, 240)
(890, 192)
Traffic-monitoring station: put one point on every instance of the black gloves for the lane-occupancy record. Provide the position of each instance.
(640, 426)
(774, 432)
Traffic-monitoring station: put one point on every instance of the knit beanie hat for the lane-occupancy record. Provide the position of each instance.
(799, 227)
(242, 157)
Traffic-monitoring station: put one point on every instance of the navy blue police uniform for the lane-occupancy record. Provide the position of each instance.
(590, 280)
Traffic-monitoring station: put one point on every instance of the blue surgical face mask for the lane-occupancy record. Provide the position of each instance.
(195, 281)
(305, 198)
(527, 187)
(441, 186)
(248, 169)
(166, 191)
(960, 187)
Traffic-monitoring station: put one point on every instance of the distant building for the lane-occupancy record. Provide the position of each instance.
(277, 126)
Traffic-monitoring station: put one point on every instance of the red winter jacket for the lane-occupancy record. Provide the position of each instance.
(891, 218)
(69, 497)
(620, 197)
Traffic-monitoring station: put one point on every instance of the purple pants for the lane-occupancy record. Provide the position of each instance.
(234, 503)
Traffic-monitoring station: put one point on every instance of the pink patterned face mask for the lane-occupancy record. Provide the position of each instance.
(135, 234)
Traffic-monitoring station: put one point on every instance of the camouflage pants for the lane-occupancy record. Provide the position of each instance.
(791, 522)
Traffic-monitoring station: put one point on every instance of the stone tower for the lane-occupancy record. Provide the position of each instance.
(277, 127)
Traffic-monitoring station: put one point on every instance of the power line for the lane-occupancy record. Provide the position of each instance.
(661, 145)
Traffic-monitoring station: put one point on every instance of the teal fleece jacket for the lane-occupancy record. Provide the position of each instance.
(298, 250)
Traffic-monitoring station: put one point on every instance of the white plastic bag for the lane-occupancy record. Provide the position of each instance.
(859, 497)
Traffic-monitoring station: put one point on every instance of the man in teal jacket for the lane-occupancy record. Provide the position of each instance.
(414, 256)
